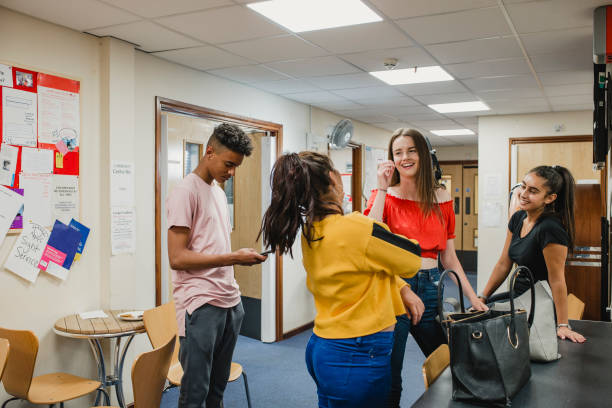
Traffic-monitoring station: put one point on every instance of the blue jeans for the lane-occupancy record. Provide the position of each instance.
(428, 333)
(351, 372)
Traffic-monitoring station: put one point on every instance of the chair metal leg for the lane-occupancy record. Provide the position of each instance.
(9, 400)
(246, 388)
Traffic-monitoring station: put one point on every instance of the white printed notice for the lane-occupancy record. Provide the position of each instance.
(10, 203)
(123, 234)
(8, 164)
(122, 184)
(65, 197)
(6, 75)
(25, 255)
(58, 117)
(36, 160)
(37, 194)
(18, 117)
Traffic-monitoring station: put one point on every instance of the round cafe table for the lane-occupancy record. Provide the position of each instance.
(94, 330)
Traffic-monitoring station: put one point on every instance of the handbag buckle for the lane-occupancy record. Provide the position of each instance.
(515, 338)
(477, 335)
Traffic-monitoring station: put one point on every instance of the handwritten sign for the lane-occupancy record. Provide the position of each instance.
(27, 251)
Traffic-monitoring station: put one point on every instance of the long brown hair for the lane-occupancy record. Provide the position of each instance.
(560, 181)
(299, 183)
(426, 182)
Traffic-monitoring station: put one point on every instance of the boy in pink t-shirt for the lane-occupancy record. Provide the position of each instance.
(207, 299)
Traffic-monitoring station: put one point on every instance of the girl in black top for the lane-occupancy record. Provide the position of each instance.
(539, 235)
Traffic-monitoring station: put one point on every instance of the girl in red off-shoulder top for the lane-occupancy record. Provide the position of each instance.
(410, 201)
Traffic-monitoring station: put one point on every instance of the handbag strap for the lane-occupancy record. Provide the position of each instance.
(441, 292)
(512, 294)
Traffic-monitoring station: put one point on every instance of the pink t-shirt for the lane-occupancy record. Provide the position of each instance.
(203, 209)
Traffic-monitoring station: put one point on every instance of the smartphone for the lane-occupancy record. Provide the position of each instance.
(269, 251)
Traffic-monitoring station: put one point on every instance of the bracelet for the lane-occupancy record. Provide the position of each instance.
(564, 325)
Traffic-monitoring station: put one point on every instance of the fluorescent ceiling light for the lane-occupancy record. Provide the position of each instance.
(310, 15)
(459, 107)
(452, 132)
(417, 75)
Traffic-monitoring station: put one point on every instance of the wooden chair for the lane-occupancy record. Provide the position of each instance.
(4, 350)
(149, 375)
(575, 307)
(435, 364)
(160, 324)
(47, 389)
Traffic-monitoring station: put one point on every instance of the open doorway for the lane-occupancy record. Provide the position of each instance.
(182, 131)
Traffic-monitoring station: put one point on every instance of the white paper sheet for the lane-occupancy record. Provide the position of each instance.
(56, 270)
(27, 251)
(493, 186)
(94, 314)
(36, 160)
(37, 194)
(373, 157)
(6, 75)
(123, 230)
(8, 164)
(122, 184)
(18, 117)
(491, 214)
(58, 116)
(65, 197)
(10, 203)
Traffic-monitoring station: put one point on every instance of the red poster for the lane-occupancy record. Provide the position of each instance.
(25, 79)
(66, 164)
(65, 84)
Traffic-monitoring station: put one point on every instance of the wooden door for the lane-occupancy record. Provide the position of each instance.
(470, 209)
(452, 179)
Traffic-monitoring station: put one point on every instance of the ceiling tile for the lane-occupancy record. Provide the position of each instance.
(566, 77)
(315, 97)
(286, 86)
(463, 139)
(389, 101)
(222, 25)
(446, 98)
(359, 94)
(407, 57)
(428, 115)
(148, 36)
(488, 68)
(402, 9)
(78, 15)
(347, 81)
(501, 82)
(248, 74)
(313, 67)
(571, 100)
(524, 103)
(579, 60)
(431, 88)
(475, 50)
(148, 8)
(391, 126)
(495, 94)
(574, 89)
(275, 49)
(357, 38)
(442, 141)
(558, 41)
(516, 109)
(464, 25)
(469, 122)
(548, 15)
(203, 58)
(435, 124)
(339, 106)
(574, 107)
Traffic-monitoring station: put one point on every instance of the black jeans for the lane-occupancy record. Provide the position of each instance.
(427, 333)
(206, 354)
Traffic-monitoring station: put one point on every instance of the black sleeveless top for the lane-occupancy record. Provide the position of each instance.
(528, 251)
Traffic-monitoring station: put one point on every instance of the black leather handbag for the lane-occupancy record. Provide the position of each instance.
(489, 351)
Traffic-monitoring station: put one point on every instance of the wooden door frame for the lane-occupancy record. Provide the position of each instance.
(275, 129)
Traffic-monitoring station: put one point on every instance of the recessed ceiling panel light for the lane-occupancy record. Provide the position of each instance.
(417, 75)
(452, 132)
(309, 15)
(460, 107)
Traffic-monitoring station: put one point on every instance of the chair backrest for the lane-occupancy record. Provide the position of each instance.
(575, 307)
(149, 375)
(160, 324)
(4, 350)
(19, 369)
(435, 363)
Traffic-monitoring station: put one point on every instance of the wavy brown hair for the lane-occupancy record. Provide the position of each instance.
(426, 182)
(300, 183)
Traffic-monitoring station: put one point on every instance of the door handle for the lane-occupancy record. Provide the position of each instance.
(457, 205)
(467, 205)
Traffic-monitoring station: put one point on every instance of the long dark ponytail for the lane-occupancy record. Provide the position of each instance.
(299, 184)
(560, 181)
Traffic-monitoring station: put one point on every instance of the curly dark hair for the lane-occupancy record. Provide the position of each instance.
(231, 137)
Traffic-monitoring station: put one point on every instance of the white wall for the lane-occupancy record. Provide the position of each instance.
(457, 152)
(493, 135)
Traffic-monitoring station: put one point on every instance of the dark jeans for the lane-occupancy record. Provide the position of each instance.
(206, 354)
(351, 373)
(428, 333)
